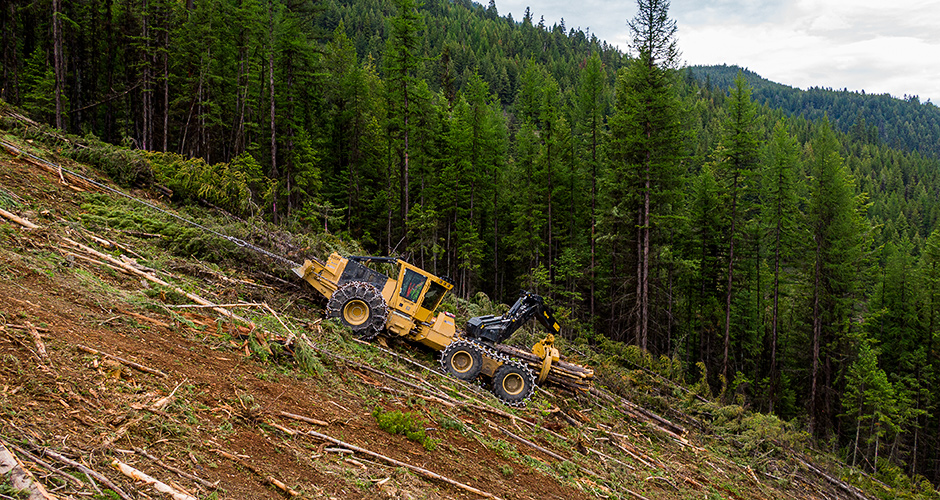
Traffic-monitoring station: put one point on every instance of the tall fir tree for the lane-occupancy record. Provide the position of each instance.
(779, 219)
(645, 149)
(737, 157)
(592, 107)
(403, 62)
(836, 229)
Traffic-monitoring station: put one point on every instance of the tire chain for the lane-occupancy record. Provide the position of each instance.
(377, 306)
(487, 351)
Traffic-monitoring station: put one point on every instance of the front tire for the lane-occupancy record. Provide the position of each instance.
(513, 383)
(462, 360)
(361, 307)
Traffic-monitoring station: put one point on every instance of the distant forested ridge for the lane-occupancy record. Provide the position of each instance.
(777, 247)
(903, 123)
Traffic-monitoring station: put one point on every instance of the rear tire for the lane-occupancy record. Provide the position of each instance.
(513, 383)
(462, 360)
(361, 307)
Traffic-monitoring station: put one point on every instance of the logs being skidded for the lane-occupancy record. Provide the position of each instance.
(575, 378)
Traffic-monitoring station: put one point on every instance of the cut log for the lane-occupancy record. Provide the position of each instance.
(19, 220)
(160, 486)
(569, 376)
(19, 477)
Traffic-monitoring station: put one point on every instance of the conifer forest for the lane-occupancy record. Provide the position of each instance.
(779, 245)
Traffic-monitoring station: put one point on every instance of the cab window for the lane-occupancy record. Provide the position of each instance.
(411, 285)
(434, 295)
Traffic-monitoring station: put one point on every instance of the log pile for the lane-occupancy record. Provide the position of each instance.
(569, 376)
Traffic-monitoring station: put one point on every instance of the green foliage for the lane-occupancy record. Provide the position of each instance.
(308, 360)
(234, 186)
(179, 238)
(39, 82)
(407, 424)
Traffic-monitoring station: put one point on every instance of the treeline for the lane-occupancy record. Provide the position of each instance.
(905, 123)
(792, 265)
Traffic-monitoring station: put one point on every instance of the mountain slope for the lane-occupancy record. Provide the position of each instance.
(905, 124)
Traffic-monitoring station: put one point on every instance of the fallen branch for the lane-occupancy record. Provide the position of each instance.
(304, 419)
(641, 413)
(380, 372)
(20, 478)
(608, 457)
(543, 450)
(88, 472)
(148, 319)
(423, 472)
(121, 432)
(70, 478)
(268, 478)
(19, 220)
(21, 327)
(96, 261)
(848, 488)
(40, 346)
(290, 333)
(625, 447)
(637, 495)
(122, 360)
(149, 277)
(414, 395)
(108, 244)
(532, 445)
(210, 306)
(160, 486)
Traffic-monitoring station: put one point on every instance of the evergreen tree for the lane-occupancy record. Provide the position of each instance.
(779, 219)
(737, 158)
(836, 229)
(645, 146)
(403, 63)
(592, 107)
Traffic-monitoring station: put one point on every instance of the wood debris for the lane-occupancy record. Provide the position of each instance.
(19, 220)
(131, 364)
(420, 471)
(19, 476)
(91, 473)
(267, 477)
(160, 486)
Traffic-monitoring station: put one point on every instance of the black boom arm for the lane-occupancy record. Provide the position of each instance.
(495, 329)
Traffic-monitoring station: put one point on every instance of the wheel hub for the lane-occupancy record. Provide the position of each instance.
(462, 362)
(356, 312)
(513, 384)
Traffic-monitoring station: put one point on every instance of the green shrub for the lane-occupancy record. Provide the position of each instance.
(407, 424)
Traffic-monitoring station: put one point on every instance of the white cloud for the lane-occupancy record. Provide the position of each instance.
(881, 47)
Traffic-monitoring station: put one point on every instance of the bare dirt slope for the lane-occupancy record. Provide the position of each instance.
(217, 414)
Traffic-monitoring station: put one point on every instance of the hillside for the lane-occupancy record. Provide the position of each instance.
(279, 402)
(903, 123)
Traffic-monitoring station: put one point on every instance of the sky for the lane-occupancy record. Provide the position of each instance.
(877, 46)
